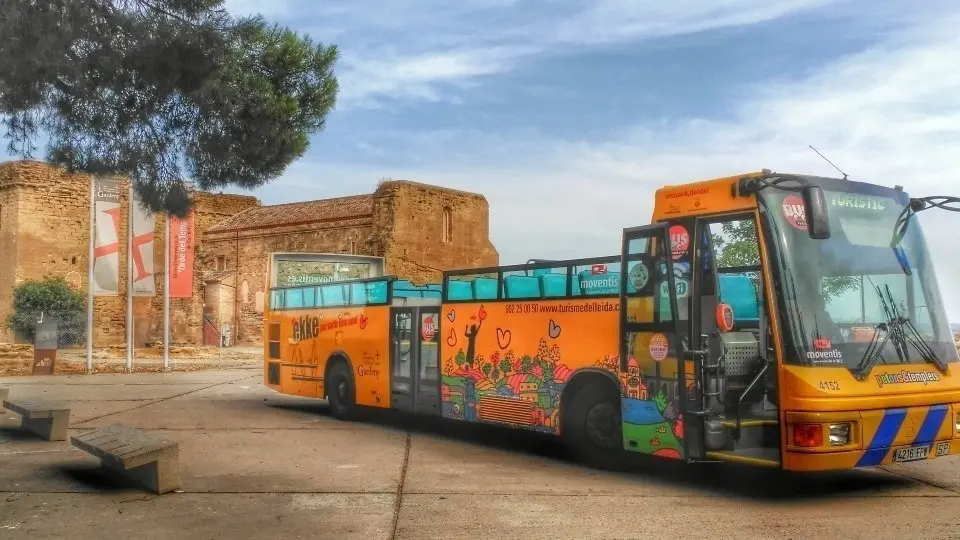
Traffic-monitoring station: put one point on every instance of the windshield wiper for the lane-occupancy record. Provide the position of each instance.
(914, 338)
(872, 353)
(894, 323)
(918, 205)
(923, 347)
(894, 327)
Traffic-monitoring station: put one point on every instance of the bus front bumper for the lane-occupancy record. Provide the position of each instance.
(829, 461)
(822, 441)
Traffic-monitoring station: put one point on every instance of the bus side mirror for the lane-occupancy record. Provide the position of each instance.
(815, 207)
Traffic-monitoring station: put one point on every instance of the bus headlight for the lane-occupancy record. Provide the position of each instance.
(839, 434)
(958, 423)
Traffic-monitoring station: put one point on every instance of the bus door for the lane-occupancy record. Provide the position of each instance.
(414, 354)
(736, 372)
(650, 353)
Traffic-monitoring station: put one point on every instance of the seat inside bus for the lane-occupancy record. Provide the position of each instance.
(485, 288)
(739, 292)
(554, 285)
(521, 287)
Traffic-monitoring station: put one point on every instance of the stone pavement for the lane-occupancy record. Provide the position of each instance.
(256, 464)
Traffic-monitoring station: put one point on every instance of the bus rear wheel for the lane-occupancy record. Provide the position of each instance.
(340, 391)
(593, 425)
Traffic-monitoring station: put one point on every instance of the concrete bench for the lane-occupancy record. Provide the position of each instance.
(48, 419)
(150, 461)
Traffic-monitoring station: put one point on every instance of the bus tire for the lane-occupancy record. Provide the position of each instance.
(593, 426)
(340, 391)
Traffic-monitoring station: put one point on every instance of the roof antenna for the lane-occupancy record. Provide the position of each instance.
(828, 161)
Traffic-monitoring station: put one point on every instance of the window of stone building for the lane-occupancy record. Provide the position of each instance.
(221, 262)
(447, 233)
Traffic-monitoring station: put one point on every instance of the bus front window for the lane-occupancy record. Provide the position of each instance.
(837, 292)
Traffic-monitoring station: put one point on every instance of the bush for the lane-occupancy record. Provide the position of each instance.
(51, 297)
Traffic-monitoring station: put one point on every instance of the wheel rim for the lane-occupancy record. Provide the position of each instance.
(602, 426)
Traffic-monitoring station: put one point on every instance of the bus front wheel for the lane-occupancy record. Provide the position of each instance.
(593, 425)
(340, 391)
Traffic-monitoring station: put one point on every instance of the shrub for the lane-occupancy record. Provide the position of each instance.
(50, 296)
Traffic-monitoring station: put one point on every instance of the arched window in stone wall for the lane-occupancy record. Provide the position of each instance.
(447, 233)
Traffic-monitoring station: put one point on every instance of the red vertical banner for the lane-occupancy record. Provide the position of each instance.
(181, 256)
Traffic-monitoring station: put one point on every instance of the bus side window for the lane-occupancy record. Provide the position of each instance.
(735, 261)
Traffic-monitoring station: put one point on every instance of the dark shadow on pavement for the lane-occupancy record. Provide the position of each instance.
(98, 478)
(727, 479)
(16, 433)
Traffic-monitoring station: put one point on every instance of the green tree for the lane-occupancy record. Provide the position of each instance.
(741, 249)
(161, 90)
(50, 296)
(505, 366)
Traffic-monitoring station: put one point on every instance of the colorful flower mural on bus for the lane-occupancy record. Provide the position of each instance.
(515, 374)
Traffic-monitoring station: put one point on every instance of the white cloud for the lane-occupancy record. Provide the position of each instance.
(888, 115)
(418, 76)
(606, 21)
(415, 50)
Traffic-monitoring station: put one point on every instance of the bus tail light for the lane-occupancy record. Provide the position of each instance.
(839, 434)
(808, 435)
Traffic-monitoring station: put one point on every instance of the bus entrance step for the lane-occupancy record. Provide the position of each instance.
(749, 422)
(764, 457)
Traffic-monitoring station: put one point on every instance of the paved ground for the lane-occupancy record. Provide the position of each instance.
(18, 359)
(259, 465)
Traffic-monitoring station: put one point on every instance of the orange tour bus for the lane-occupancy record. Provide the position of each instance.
(778, 320)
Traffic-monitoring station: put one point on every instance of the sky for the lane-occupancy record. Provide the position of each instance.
(567, 115)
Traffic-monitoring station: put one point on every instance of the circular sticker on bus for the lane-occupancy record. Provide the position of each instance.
(679, 241)
(658, 347)
(794, 213)
(428, 329)
(724, 317)
(639, 276)
(683, 288)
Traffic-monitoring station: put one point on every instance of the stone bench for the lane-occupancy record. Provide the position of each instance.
(48, 419)
(4, 394)
(150, 461)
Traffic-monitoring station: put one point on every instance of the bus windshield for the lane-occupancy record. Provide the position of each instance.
(841, 294)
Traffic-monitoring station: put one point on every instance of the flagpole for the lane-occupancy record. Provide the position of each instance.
(166, 293)
(130, 212)
(90, 259)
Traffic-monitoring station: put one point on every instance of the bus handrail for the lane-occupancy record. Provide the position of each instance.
(763, 371)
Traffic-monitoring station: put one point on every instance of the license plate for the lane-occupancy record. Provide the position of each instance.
(913, 453)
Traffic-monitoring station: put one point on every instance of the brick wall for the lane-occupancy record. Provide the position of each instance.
(410, 230)
(49, 235)
(8, 245)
